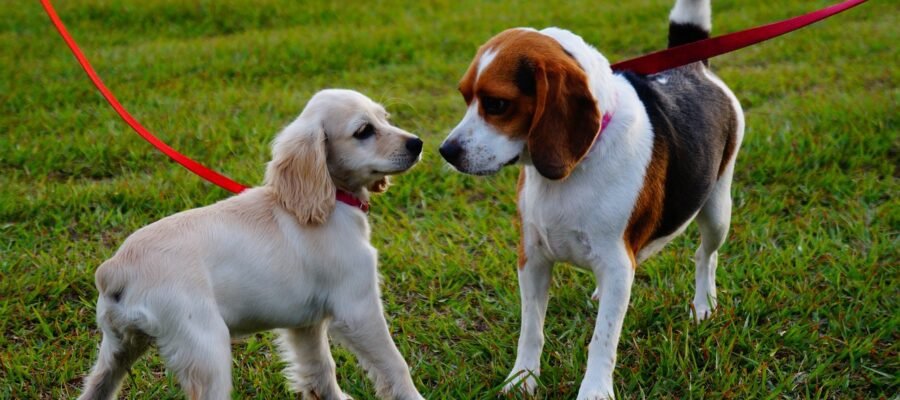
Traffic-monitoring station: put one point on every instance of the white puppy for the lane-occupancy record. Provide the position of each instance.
(292, 254)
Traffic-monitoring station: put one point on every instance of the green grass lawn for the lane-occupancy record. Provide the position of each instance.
(808, 280)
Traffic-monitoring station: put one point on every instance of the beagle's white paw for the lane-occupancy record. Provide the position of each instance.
(701, 310)
(521, 381)
(595, 394)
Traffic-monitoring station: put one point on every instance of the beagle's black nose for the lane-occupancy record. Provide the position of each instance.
(414, 146)
(451, 151)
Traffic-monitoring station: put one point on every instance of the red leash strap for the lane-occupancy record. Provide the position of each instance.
(193, 166)
(648, 64)
(700, 50)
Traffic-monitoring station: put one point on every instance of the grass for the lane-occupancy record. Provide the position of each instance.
(808, 278)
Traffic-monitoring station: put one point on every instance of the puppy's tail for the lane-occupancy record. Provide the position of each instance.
(112, 311)
(689, 21)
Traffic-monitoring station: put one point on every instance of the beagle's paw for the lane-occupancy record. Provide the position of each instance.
(593, 390)
(595, 396)
(701, 310)
(521, 381)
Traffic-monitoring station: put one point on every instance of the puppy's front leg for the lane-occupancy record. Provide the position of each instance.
(362, 329)
(311, 369)
(534, 286)
(615, 274)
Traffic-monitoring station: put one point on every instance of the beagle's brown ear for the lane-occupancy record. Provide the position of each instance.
(298, 173)
(380, 186)
(566, 119)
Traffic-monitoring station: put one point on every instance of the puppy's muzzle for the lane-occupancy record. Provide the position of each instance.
(405, 160)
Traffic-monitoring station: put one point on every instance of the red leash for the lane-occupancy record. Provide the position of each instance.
(648, 64)
(708, 48)
(188, 163)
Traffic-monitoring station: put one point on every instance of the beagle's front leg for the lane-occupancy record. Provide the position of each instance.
(615, 274)
(534, 287)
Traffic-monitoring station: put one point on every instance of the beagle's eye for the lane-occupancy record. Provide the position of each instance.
(364, 132)
(494, 106)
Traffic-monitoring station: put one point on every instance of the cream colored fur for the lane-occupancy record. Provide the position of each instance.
(283, 255)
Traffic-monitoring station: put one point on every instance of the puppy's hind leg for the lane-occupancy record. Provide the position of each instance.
(196, 346)
(713, 220)
(311, 369)
(117, 354)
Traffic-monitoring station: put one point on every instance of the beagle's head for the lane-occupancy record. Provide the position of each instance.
(527, 99)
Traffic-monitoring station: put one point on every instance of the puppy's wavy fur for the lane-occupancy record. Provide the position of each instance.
(298, 174)
(284, 255)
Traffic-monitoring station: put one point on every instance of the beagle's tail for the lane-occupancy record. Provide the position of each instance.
(689, 21)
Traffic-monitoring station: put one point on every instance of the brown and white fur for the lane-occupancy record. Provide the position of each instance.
(284, 255)
(603, 203)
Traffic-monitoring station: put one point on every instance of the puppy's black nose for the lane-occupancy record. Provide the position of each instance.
(414, 146)
(451, 151)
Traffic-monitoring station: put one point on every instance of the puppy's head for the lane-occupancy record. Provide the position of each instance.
(527, 98)
(342, 139)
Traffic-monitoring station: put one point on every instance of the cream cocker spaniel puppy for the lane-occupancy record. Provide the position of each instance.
(292, 254)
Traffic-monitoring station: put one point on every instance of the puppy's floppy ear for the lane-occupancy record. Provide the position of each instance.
(380, 186)
(566, 119)
(298, 173)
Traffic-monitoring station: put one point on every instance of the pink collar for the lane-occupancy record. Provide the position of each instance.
(604, 122)
(350, 199)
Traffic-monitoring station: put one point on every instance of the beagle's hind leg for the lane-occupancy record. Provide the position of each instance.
(713, 220)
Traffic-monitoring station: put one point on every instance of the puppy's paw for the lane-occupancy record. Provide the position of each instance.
(521, 381)
(324, 395)
(596, 295)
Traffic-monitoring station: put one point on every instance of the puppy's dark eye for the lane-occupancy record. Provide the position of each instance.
(494, 106)
(364, 132)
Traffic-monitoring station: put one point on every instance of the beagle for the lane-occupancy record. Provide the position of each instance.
(292, 254)
(615, 165)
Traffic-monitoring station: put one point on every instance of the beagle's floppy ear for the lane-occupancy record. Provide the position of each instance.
(566, 119)
(298, 173)
(380, 186)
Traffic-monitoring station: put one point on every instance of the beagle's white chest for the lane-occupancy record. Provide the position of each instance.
(554, 227)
